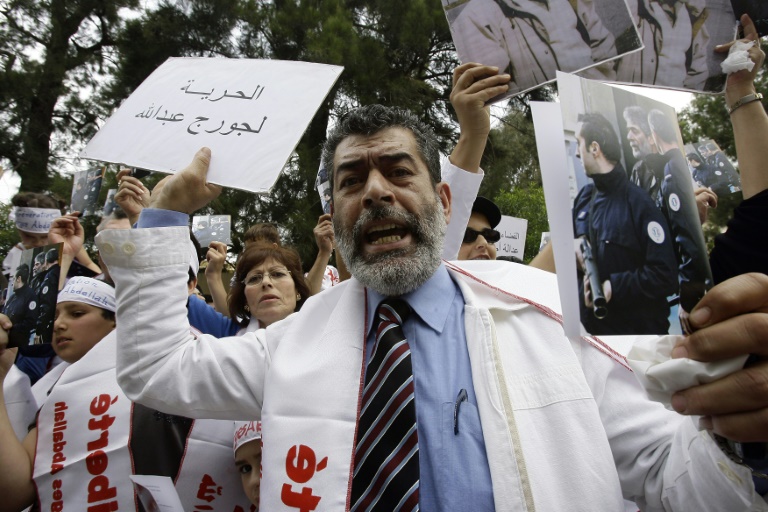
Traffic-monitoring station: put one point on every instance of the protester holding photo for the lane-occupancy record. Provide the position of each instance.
(308, 371)
(743, 248)
(80, 325)
(89, 437)
(35, 213)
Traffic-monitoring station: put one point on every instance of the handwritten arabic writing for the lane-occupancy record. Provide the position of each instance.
(196, 126)
(240, 95)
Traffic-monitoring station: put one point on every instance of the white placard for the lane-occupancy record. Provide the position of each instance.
(250, 112)
(157, 493)
(513, 231)
(548, 127)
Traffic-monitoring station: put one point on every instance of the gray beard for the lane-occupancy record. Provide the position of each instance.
(395, 272)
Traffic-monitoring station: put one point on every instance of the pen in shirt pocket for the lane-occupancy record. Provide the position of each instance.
(462, 397)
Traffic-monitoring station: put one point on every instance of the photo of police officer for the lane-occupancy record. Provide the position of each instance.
(47, 294)
(652, 145)
(38, 272)
(212, 228)
(625, 258)
(22, 308)
(679, 207)
(85, 191)
(710, 168)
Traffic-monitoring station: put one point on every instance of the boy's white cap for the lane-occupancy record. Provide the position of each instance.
(245, 432)
(88, 291)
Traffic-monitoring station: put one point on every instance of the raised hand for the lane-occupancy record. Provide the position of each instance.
(188, 190)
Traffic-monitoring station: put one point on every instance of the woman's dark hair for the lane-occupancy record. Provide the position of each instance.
(257, 254)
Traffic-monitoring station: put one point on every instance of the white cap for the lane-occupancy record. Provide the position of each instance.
(88, 291)
(245, 432)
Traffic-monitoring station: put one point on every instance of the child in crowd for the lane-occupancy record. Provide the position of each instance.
(248, 458)
(85, 314)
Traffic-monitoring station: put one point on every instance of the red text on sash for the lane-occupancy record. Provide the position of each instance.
(99, 490)
(300, 466)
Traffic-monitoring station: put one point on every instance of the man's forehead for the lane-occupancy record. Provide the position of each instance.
(387, 142)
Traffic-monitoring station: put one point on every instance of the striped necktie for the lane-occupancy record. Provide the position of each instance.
(386, 473)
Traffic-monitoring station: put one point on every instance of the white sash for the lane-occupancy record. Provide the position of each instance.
(208, 476)
(88, 418)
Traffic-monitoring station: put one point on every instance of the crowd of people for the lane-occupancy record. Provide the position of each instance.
(431, 378)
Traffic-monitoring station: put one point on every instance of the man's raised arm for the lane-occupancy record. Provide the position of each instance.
(160, 363)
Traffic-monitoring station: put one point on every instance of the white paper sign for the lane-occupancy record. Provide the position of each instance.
(250, 112)
(512, 242)
(548, 127)
(157, 493)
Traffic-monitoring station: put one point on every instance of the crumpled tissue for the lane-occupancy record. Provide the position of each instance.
(662, 376)
(738, 58)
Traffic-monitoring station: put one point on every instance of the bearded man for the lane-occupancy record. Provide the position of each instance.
(464, 396)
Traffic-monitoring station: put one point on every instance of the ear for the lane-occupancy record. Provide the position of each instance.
(444, 192)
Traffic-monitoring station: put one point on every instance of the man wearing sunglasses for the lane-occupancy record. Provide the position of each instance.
(480, 235)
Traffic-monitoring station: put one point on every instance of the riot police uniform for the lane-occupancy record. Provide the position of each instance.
(679, 207)
(49, 291)
(632, 248)
(22, 309)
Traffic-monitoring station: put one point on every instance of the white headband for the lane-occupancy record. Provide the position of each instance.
(88, 291)
(245, 432)
(33, 220)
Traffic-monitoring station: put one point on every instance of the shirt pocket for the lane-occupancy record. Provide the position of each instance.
(463, 461)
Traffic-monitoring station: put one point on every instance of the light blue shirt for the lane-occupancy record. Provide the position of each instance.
(454, 471)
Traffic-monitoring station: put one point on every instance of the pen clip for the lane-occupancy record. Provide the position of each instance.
(462, 397)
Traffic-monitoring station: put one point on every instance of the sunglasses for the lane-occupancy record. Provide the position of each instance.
(490, 235)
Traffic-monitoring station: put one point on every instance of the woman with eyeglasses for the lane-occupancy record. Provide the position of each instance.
(268, 286)
(480, 235)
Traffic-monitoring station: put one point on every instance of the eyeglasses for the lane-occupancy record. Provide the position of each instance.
(273, 275)
(490, 235)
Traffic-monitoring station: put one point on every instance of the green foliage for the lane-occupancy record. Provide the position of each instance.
(526, 203)
(51, 52)
(9, 235)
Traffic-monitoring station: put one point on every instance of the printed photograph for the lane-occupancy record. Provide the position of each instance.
(711, 168)
(679, 37)
(212, 228)
(641, 258)
(31, 297)
(85, 191)
(532, 39)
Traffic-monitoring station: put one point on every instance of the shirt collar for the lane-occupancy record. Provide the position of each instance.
(431, 301)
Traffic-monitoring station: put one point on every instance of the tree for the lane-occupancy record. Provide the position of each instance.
(395, 53)
(52, 52)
